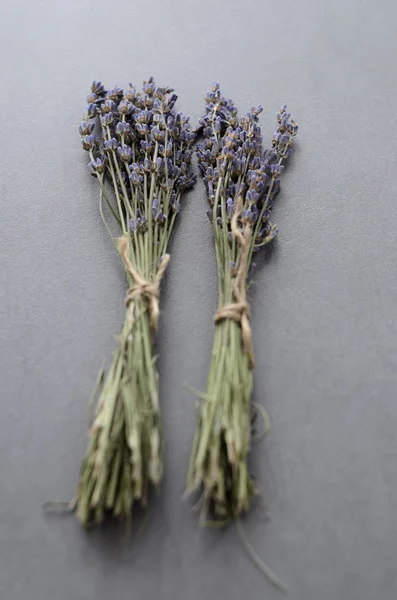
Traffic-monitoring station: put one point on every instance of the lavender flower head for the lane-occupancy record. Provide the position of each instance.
(142, 134)
(233, 163)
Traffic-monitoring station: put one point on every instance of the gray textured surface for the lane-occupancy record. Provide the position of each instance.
(324, 305)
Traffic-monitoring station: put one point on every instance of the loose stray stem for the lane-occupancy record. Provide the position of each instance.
(269, 574)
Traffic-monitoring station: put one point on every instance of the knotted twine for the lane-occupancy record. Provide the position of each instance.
(142, 288)
(239, 310)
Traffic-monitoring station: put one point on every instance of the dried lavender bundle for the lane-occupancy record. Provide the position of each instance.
(141, 159)
(242, 181)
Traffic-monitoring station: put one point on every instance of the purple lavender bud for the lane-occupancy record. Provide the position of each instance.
(171, 101)
(141, 116)
(160, 216)
(209, 215)
(142, 129)
(107, 119)
(125, 108)
(111, 144)
(189, 183)
(89, 142)
(123, 128)
(176, 206)
(136, 179)
(276, 169)
(229, 207)
(91, 110)
(132, 225)
(125, 153)
(97, 165)
(155, 205)
(276, 137)
(284, 139)
(97, 88)
(219, 222)
(108, 106)
(251, 195)
(148, 86)
(130, 93)
(292, 127)
(86, 128)
(146, 165)
(272, 231)
(159, 164)
(155, 133)
(115, 93)
(92, 98)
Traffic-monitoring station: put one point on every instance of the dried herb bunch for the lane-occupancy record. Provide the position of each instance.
(140, 151)
(242, 180)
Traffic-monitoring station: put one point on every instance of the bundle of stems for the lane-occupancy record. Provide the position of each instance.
(140, 151)
(242, 181)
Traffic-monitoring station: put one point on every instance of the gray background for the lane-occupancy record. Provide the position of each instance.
(324, 303)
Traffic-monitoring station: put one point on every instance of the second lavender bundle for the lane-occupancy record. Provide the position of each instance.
(242, 180)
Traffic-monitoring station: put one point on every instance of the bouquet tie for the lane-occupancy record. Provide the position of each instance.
(142, 288)
(239, 310)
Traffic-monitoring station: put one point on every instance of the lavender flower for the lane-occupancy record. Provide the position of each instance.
(111, 144)
(97, 165)
(97, 88)
(124, 152)
(89, 142)
(122, 128)
(86, 128)
(91, 110)
(107, 119)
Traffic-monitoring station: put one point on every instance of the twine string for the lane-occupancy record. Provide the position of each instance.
(239, 310)
(142, 288)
